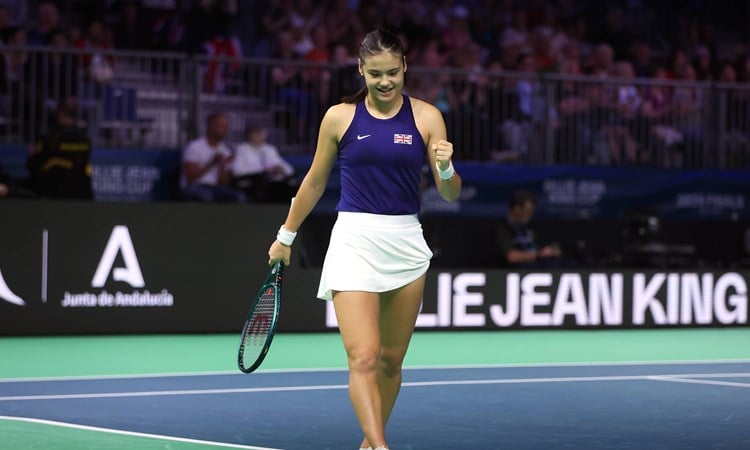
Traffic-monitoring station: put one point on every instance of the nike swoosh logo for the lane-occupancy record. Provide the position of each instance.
(359, 138)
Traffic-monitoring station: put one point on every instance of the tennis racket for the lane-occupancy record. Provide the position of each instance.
(260, 323)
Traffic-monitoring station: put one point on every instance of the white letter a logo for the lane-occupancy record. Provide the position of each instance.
(119, 241)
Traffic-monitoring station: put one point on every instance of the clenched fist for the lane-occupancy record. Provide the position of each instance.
(443, 153)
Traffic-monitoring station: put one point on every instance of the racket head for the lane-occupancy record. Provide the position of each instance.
(260, 324)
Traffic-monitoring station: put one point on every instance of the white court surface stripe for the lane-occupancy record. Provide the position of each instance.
(406, 368)
(707, 382)
(132, 433)
(654, 377)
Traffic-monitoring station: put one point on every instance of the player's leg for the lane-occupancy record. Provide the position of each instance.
(398, 315)
(357, 314)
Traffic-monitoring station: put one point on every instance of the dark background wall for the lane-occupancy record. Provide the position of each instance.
(201, 265)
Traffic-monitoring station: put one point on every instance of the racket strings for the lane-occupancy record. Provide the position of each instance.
(259, 325)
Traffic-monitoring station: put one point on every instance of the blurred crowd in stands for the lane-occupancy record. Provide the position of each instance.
(633, 123)
(700, 39)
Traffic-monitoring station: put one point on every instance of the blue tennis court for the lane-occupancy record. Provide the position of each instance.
(667, 405)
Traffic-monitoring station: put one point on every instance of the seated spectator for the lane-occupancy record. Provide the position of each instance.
(97, 61)
(664, 143)
(260, 171)
(515, 238)
(206, 164)
(14, 12)
(59, 164)
(290, 90)
(620, 133)
(15, 77)
(224, 65)
(48, 19)
(129, 32)
(54, 74)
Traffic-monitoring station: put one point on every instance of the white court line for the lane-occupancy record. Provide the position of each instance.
(162, 375)
(176, 392)
(344, 386)
(709, 382)
(132, 433)
(406, 368)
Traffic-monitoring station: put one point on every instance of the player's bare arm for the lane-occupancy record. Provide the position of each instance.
(439, 150)
(332, 127)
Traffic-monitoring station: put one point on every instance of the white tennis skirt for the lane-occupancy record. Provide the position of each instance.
(373, 253)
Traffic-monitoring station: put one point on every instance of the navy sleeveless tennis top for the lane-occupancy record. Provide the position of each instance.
(381, 162)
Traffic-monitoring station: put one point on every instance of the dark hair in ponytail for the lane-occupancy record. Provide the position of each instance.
(376, 42)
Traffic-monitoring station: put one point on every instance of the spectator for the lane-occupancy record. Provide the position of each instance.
(677, 64)
(704, 64)
(97, 62)
(346, 76)
(13, 63)
(616, 33)
(626, 105)
(129, 32)
(551, 28)
(290, 90)
(456, 36)
(690, 112)
(55, 72)
(169, 31)
(736, 137)
(4, 18)
(534, 111)
(203, 22)
(274, 18)
(640, 55)
(473, 127)
(341, 22)
(206, 163)
(515, 238)
(260, 171)
(601, 61)
(663, 141)
(517, 33)
(59, 164)
(318, 78)
(546, 59)
(224, 64)
(48, 19)
(15, 84)
(576, 132)
(17, 11)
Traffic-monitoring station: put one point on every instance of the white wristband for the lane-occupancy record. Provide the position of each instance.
(285, 236)
(445, 174)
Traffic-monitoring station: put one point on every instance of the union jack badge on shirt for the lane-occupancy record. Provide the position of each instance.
(402, 139)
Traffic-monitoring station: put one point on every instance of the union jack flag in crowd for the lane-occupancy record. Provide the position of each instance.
(402, 139)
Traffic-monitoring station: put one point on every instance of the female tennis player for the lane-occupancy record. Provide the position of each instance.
(374, 270)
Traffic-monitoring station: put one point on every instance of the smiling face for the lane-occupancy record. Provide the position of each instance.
(382, 63)
(384, 75)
